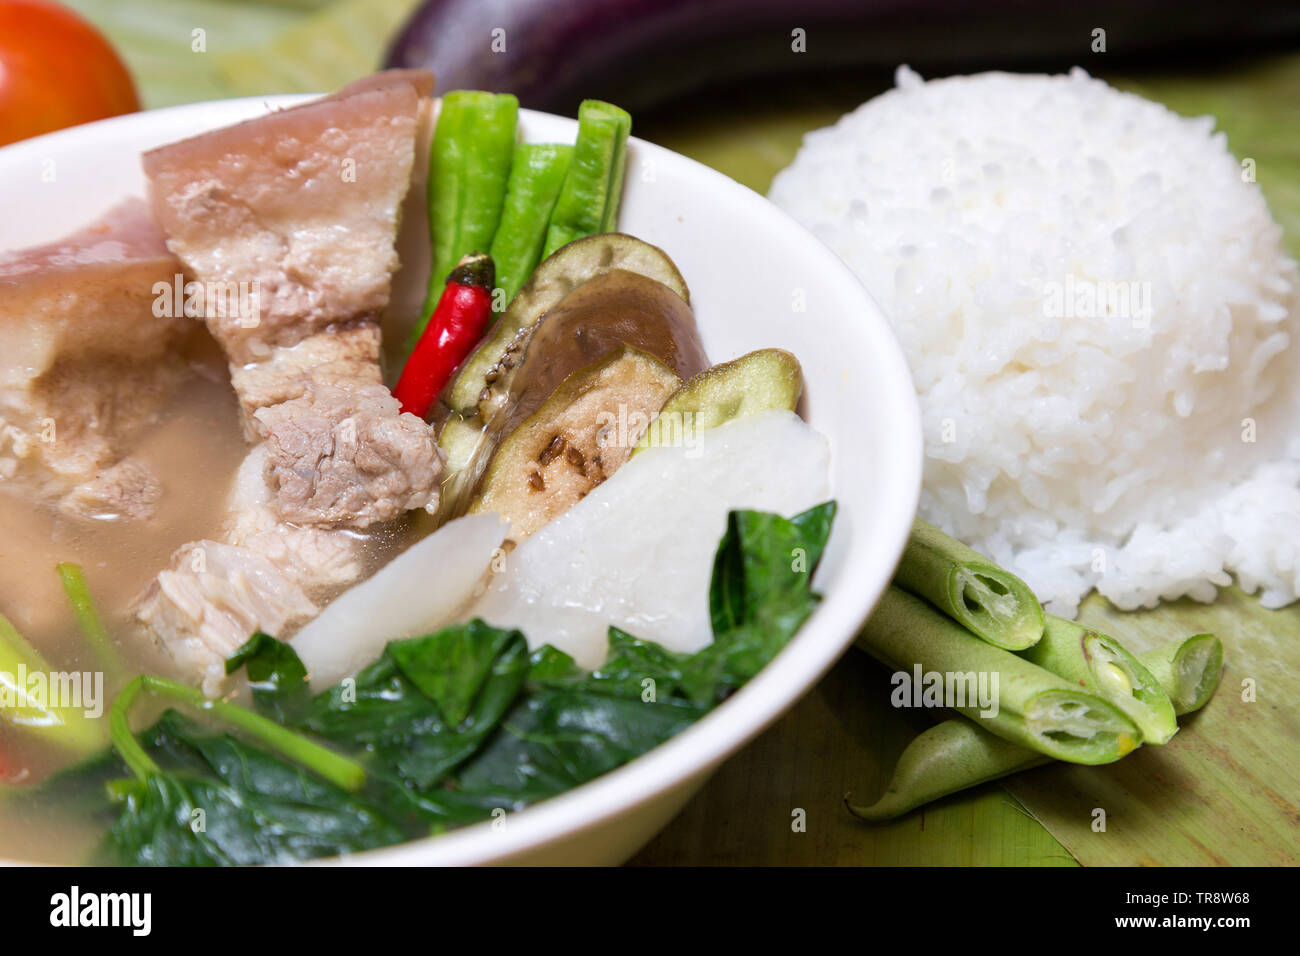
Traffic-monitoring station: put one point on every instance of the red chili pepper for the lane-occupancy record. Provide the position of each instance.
(459, 321)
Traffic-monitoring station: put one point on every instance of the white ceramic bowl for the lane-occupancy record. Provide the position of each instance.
(757, 279)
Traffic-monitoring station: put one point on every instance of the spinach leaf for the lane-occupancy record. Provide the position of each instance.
(179, 819)
(570, 726)
(558, 738)
(276, 676)
(428, 703)
(761, 593)
(452, 666)
(220, 801)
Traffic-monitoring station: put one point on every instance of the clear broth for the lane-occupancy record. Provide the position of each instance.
(194, 450)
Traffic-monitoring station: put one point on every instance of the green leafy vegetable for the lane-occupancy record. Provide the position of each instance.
(761, 589)
(277, 678)
(232, 803)
(428, 703)
(452, 669)
(441, 730)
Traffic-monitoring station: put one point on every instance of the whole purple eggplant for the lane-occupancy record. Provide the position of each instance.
(552, 53)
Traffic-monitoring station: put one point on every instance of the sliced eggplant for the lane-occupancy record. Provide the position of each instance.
(757, 382)
(464, 447)
(579, 436)
(485, 377)
(614, 309)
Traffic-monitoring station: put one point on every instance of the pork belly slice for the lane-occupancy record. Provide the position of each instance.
(263, 575)
(346, 457)
(201, 611)
(211, 599)
(305, 206)
(304, 202)
(345, 356)
(341, 452)
(87, 364)
(324, 561)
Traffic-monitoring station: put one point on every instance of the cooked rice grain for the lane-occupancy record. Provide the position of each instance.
(1097, 308)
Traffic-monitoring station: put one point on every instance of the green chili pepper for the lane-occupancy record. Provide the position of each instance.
(955, 755)
(593, 184)
(536, 177)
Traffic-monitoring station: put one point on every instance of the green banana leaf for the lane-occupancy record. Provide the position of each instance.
(1224, 791)
(249, 47)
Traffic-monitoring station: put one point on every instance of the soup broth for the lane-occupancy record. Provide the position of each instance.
(194, 450)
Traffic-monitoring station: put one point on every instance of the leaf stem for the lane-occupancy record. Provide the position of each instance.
(92, 626)
(334, 767)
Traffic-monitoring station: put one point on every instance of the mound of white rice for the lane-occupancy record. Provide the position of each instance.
(1097, 309)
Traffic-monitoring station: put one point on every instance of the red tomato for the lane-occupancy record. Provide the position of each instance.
(56, 70)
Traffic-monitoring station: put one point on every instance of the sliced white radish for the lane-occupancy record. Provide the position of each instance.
(638, 551)
(422, 589)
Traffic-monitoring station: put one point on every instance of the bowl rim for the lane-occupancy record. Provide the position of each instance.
(693, 753)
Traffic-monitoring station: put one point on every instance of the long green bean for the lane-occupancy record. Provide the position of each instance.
(1035, 708)
(469, 164)
(1102, 665)
(1188, 670)
(955, 754)
(536, 176)
(593, 185)
(990, 602)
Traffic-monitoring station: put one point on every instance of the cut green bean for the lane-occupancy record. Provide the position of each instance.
(445, 190)
(28, 688)
(1035, 708)
(536, 177)
(1102, 665)
(88, 619)
(593, 186)
(955, 755)
(1188, 670)
(951, 756)
(469, 165)
(991, 603)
